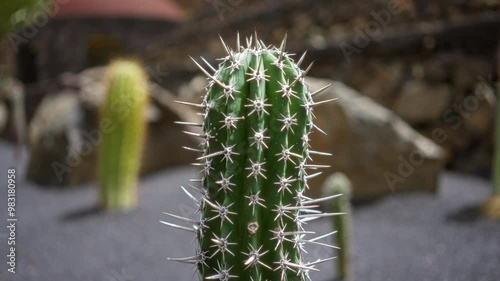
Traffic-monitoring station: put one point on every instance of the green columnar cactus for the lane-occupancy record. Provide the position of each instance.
(492, 206)
(339, 183)
(123, 112)
(496, 165)
(255, 147)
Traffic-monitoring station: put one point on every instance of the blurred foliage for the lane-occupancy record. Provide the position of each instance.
(15, 13)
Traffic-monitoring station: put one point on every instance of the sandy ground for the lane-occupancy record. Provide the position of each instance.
(403, 237)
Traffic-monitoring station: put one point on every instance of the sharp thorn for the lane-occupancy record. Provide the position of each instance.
(249, 41)
(283, 46)
(257, 43)
(190, 104)
(263, 44)
(210, 155)
(200, 67)
(313, 201)
(321, 261)
(193, 134)
(304, 74)
(179, 226)
(313, 175)
(311, 211)
(323, 236)
(238, 44)
(296, 208)
(322, 215)
(301, 58)
(324, 101)
(192, 149)
(191, 260)
(197, 189)
(208, 74)
(188, 123)
(321, 90)
(208, 64)
(322, 244)
(320, 130)
(181, 218)
(320, 153)
(300, 266)
(189, 194)
(228, 51)
(317, 166)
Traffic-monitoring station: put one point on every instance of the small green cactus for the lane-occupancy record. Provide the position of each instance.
(120, 153)
(254, 153)
(339, 183)
(492, 206)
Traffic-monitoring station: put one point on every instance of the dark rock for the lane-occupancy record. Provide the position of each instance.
(54, 140)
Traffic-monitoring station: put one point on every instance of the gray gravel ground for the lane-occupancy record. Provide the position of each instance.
(403, 237)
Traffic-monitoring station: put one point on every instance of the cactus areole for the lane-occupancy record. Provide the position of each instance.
(258, 114)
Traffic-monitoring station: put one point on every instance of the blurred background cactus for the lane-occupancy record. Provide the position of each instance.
(492, 206)
(257, 120)
(123, 112)
(16, 13)
(339, 184)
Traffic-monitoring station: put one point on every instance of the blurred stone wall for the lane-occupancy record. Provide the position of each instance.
(311, 24)
(431, 62)
(64, 43)
(448, 97)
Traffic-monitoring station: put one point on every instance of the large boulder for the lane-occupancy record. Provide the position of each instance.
(421, 103)
(375, 148)
(65, 132)
(53, 137)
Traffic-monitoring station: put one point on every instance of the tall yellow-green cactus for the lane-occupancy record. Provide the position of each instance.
(258, 115)
(123, 113)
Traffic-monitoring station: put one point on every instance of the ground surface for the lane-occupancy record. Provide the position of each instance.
(400, 238)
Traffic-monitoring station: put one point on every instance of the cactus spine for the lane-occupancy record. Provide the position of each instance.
(121, 147)
(255, 146)
(339, 183)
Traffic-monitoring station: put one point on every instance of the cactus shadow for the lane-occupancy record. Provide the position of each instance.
(83, 213)
(465, 214)
(365, 203)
